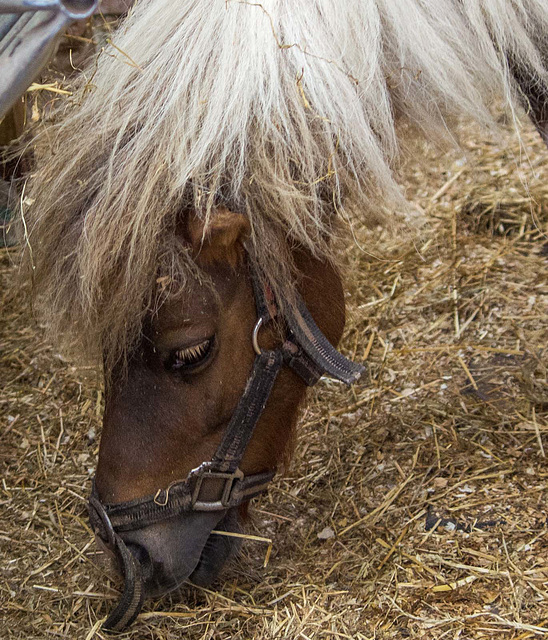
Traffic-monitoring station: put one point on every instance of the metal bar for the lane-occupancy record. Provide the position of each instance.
(75, 9)
(28, 38)
(25, 49)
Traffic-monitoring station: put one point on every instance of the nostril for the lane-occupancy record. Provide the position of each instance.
(143, 558)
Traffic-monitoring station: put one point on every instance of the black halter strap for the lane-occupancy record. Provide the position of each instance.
(219, 485)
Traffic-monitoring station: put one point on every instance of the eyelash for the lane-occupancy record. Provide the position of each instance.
(190, 356)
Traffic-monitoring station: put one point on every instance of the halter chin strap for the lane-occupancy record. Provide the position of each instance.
(219, 485)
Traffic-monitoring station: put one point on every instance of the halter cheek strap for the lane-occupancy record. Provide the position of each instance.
(219, 484)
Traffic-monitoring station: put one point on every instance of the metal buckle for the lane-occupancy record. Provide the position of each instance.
(215, 505)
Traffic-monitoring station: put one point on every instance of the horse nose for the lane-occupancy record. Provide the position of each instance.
(169, 551)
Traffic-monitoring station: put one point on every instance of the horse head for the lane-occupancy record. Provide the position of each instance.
(167, 409)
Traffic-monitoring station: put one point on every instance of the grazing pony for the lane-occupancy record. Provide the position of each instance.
(181, 231)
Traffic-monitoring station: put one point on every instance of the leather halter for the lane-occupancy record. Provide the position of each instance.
(219, 484)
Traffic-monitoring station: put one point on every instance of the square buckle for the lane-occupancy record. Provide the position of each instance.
(225, 492)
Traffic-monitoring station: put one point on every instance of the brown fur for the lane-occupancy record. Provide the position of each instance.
(160, 423)
(178, 421)
(220, 242)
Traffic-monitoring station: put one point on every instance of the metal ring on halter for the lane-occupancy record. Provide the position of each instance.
(255, 337)
(107, 524)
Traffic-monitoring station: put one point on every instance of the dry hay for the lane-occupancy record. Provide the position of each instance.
(415, 506)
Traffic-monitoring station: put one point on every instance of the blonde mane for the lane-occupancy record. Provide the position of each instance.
(283, 110)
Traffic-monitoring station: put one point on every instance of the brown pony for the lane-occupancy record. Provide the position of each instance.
(181, 227)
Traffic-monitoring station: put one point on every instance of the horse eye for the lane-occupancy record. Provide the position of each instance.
(190, 358)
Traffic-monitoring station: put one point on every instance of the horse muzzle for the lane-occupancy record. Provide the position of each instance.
(180, 549)
(164, 539)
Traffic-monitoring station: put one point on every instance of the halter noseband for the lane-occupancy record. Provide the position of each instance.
(220, 484)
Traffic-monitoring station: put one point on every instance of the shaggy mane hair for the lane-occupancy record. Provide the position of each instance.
(283, 110)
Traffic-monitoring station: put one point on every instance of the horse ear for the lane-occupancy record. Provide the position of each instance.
(221, 240)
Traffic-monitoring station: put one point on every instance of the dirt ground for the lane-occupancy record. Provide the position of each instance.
(415, 504)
